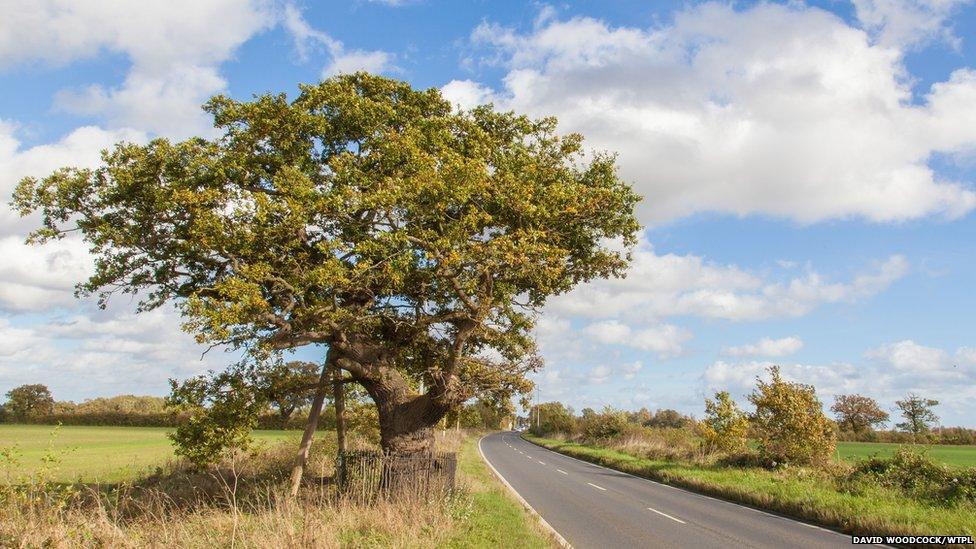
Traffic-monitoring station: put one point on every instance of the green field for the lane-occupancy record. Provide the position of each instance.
(483, 516)
(94, 454)
(963, 456)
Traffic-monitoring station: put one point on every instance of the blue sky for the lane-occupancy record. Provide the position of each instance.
(808, 172)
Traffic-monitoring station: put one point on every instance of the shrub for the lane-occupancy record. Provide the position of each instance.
(603, 426)
(669, 419)
(551, 417)
(725, 426)
(911, 472)
(789, 422)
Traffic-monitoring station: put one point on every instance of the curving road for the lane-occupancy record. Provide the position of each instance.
(591, 506)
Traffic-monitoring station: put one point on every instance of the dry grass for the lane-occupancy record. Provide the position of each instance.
(241, 503)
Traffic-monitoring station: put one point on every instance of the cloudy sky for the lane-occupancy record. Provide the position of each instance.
(809, 174)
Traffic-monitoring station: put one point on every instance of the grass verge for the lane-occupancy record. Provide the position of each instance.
(242, 503)
(805, 494)
(495, 518)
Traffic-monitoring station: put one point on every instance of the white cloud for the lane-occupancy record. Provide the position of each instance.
(35, 278)
(39, 278)
(599, 374)
(667, 285)
(109, 352)
(603, 372)
(767, 347)
(80, 148)
(892, 371)
(467, 93)
(304, 36)
(664, 339)
(629, 371)
(610, 332)
(349, 62)
(908, 23)
(909, 356)
(174, 48)
(166, 103)
(776, 110)
(307, 38)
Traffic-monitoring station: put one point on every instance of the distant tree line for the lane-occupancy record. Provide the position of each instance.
(283, 391)
(787, 424)
(280, 408)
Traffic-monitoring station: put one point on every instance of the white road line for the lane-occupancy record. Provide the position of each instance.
(558, 537)
(597, 487)
(563, 472)
(541, 462)
(687, 491)
(666, 515)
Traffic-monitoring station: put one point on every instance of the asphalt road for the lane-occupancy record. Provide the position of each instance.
(591, 506)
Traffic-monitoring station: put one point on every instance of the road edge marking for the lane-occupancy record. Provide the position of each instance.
(545, 524)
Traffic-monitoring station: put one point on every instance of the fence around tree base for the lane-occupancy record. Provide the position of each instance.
(365, 476)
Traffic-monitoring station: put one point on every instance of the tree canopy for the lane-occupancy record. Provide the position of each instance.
(415, 240)
(857, 413)
(29, 401)
(918, 414)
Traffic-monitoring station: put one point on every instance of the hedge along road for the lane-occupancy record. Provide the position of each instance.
(591, 506)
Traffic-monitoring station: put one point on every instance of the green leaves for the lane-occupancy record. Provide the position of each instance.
(789, 422)
(363, 209)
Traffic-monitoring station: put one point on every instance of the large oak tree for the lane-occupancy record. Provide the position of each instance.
(415, 240)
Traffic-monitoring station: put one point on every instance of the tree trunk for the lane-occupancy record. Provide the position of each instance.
(407, 422)
(313, 422)
(339, 396)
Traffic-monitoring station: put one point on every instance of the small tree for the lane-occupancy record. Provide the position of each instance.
(790, 423)
(221, 409)
(640, 417)
(551, 417)
(603, 426)
(29, 401)
(918, 414)
(725, 425)
(670, 419)
(857, 413)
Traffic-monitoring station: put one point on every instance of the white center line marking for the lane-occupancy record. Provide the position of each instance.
(597, 487)
(563, 472)
(541, 462)
(666, 515)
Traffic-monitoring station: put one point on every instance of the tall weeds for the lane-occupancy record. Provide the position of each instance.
(243, 502)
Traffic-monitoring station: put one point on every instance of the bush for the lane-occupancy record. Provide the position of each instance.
(603, 426)
(790, 424)
(725, 426)
(550, 418)
(911, 472)
(669, 419)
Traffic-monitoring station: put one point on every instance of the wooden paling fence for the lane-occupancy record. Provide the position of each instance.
(365, 476)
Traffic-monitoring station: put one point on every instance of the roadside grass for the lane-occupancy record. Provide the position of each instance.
(155, 500)
(97, 454)
(806, 494)
(494, 519)
(962, 456)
